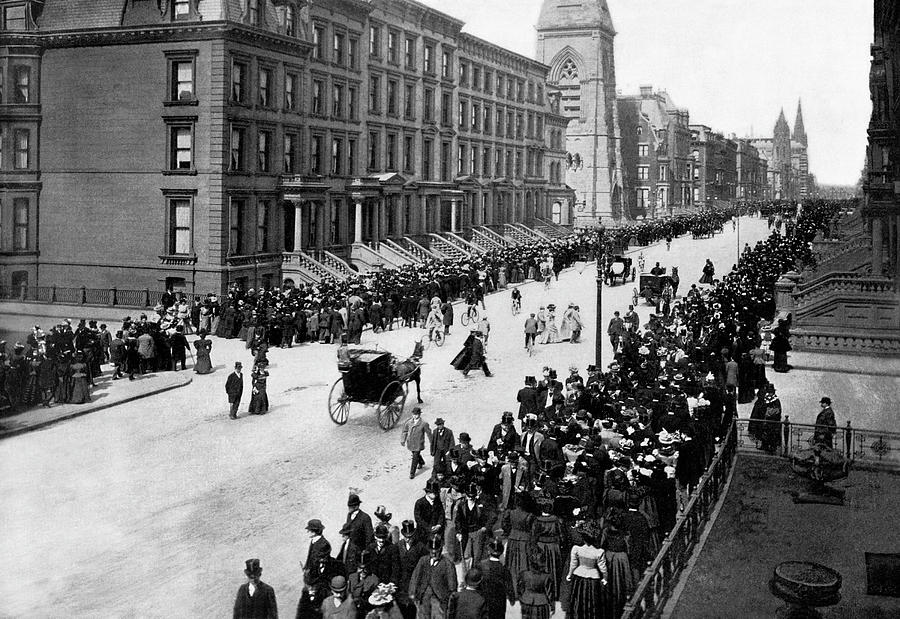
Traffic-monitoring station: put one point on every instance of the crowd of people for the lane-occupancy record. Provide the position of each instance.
(565, 503)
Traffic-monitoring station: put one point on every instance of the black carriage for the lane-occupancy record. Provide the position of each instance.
(371, 377)
(619, 270)
(651, 287)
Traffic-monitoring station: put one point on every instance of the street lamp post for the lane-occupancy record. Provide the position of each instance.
(598, 327)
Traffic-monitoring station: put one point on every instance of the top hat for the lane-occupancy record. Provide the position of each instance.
(353, 500)
(315, 525)
(530, 380)
(507, 417)
(408, 528)
(253, 568)
(382, 513)
(432, 486)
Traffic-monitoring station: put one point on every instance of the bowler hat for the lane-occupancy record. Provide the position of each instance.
(464, 437)
(439, 421)
(315, 525)
(338, 584)
(353, 500)
(473, 577)
(381, 532)
(253, 568)
(825, 400)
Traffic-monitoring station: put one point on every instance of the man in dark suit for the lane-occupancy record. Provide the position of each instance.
(384, 559)
(432, 582)
(468, 603)
(504, 436)
(319, 547)
(441, 442)
(117, 355)
(410, 549)
(429, 513)
(497, 584)
(471, 525)
(179, 345)
(348, 554)
(477, 359)
(527, 399)
(234, 387)
(359, 522)
(255, 599)
(453, 467)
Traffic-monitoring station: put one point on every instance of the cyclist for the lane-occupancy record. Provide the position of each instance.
(471, 302)
(516, 301)
(435, 321)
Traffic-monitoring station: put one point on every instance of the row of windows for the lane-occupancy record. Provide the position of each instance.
(344, 49)
(473, 76)
(20, 85)
(389, 49)
(266, 94)
(21, 234)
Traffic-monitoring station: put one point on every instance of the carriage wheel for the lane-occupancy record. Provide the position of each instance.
(339, 403)
(634, 297)
(438, 338)
(390, 406)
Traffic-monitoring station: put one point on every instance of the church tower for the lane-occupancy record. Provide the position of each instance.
(782, 137)
(575, 39)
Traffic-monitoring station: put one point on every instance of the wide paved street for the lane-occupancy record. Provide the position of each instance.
(130, 510)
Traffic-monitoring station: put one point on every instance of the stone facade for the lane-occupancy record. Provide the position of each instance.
(788, 157)
(576, 41)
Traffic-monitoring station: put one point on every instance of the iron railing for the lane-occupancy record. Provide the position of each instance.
(111, 297)
(661, 577)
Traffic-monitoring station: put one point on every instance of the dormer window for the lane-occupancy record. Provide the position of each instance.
(14, 18)
(181, 9)
(290, 21)
(253, 11)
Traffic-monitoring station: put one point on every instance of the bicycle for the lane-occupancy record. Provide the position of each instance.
(436, 337)
(470, 316)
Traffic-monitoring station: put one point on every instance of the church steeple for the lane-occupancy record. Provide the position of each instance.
(781, 125)
(799, 130)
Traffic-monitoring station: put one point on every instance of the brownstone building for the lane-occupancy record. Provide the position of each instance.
(193, 143)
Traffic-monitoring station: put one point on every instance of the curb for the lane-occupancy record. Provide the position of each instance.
(840, 370)
(100, 406)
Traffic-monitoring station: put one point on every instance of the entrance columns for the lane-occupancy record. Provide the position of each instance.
(298, 226)
(454, 214)
(357, 232)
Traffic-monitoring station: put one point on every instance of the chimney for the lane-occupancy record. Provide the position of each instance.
(646, 91)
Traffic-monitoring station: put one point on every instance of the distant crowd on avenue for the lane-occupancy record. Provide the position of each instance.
(565, 503)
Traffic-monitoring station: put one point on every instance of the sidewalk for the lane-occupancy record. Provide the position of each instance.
(105, 395)
(845, 363)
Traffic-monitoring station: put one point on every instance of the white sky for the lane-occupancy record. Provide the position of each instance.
(733, 63)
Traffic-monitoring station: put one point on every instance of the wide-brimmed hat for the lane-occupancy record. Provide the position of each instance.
(383, 594)
(382, 513)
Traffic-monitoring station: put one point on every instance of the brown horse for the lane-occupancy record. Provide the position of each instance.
(409, 369)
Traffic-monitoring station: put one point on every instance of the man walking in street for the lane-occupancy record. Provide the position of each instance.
(531, 329)
(179, 345)
(441, 442)
(117, 353)
(432, 582)
(413, 437)
(255, 599)
(615, 330)
(234, 387)
(477, 359)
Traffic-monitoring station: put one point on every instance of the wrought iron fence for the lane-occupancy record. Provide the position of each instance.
(82, 296)
(660, 578)
(876, 448)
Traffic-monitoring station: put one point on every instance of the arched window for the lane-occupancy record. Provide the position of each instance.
(570, 85)
(556, 213)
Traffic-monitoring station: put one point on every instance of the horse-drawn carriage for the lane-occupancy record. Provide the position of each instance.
(373, 378)
(651, 288)
(619, 268)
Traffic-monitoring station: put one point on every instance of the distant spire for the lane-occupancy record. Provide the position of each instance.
(799, 130)
(781, 126)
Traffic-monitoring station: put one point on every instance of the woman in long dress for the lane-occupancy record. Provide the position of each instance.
(551, 333)
(535, 588)
(587, 573)
(618, 566)
(546, 532)
(567, 325)
(259, 401)
(63, 379)
(81, 391)
(203, 365)
(516, 525)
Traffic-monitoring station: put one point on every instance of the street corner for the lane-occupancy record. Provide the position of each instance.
(106, 394)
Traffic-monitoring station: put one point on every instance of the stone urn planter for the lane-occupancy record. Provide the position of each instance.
(804, 586)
